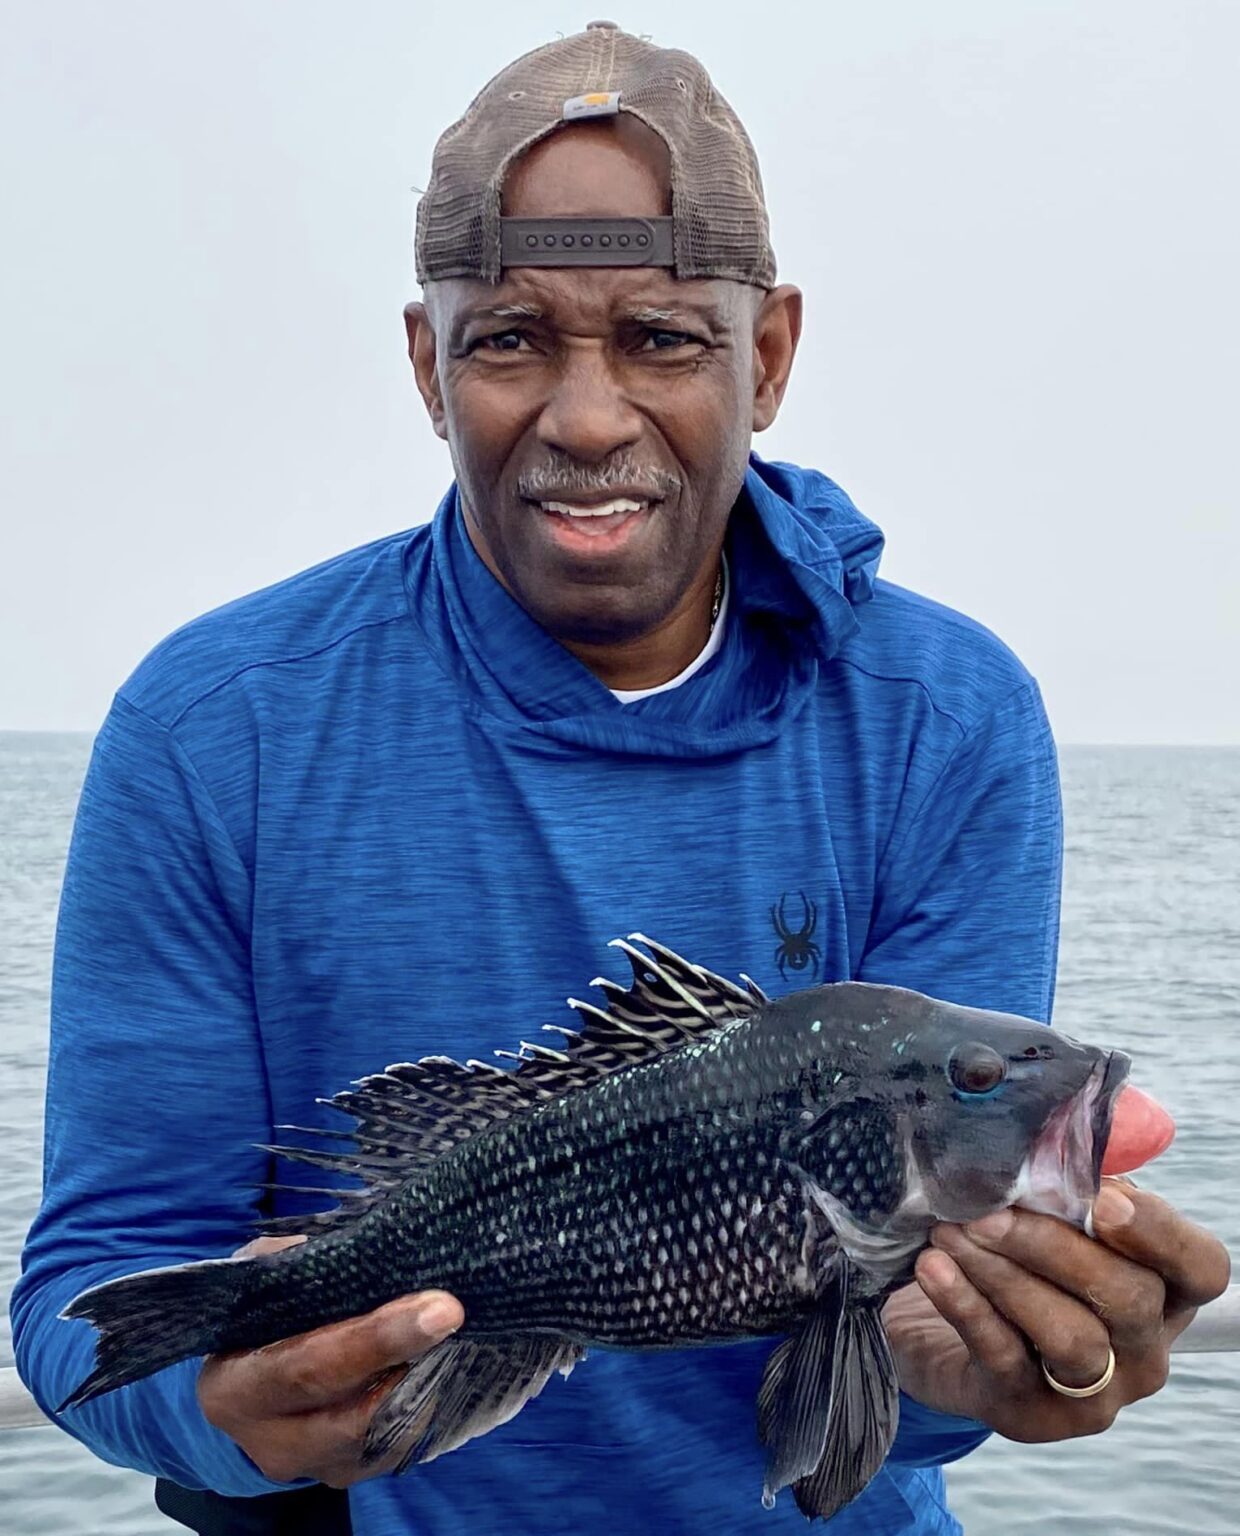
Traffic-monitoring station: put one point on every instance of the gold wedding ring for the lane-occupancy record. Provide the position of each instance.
(1103, 1382)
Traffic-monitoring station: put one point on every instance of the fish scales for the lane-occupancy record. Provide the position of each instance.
(699, 1164)
(525, 1234)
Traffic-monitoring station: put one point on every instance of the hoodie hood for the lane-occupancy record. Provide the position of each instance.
(801, 559)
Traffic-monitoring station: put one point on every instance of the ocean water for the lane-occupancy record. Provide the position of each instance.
(1150, 960)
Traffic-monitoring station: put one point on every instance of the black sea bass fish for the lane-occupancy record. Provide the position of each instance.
(699, 1164)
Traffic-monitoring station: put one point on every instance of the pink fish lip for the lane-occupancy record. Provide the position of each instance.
(1141, 1130)
(1115, 1067)
(1062, 1173)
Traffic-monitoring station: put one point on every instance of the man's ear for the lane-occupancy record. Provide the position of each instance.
(776, 332)
(425, 368)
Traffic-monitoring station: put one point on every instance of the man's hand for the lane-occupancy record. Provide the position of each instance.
(300, 1408)
(1017, 1286)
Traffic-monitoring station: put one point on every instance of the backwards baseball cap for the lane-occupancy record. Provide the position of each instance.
(718, 226)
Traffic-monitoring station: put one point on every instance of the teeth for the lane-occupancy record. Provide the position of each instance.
(606, 509)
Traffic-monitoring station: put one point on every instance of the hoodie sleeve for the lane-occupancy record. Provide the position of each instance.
(968, 911)
(967, 904)
(156, 1092)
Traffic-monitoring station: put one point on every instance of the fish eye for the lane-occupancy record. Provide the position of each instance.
(976, 1068)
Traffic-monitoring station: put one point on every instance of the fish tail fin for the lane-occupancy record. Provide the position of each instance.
(155, 1319)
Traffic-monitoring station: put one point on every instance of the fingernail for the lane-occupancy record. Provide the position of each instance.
(992, 1228)
(938, 1269)
(406, 1325)
(439, 1317)
(1113, 1208)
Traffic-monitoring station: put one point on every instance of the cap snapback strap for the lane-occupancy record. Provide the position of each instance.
(571, 242)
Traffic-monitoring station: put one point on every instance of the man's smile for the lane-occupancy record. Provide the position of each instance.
(595, 527)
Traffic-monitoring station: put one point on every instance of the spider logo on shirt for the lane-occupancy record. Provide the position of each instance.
(796, 949)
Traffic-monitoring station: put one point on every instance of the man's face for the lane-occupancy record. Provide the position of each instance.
(599, 419)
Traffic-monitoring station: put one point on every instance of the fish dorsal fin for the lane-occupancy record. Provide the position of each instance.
(414, 1112)
(670, 994)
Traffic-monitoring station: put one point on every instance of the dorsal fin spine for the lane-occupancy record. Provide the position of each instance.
(668, 979)
(317, 1130)
(755, 991)
(590, 1009)
(534, 1052)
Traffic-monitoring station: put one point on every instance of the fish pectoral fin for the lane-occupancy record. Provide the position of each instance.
(865, 1408)
(461, 1389)
(794, 1400)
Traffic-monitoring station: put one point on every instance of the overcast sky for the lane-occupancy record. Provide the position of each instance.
(1015, 224)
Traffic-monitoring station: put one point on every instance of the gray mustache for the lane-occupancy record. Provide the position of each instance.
(559, 481)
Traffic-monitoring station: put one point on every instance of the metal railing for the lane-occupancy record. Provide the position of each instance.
(1215, 1329)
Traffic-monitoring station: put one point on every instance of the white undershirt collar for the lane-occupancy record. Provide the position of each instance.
(711, 649)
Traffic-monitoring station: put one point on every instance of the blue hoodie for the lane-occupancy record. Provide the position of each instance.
(375, 812)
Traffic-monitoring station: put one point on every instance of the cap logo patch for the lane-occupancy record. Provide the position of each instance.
(593, 104)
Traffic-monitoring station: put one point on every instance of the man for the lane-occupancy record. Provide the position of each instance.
(629, 678)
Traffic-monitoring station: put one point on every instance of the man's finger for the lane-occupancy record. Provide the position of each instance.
(329, 1366)
(1127, 1296)
(1070, 1338)
(326, 1443)
(1193, 1263)
(993, 1343)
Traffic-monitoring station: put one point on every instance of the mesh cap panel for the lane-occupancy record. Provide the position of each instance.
(718, 206)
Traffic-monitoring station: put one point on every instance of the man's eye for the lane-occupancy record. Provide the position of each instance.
(664, 341)
(500, 341)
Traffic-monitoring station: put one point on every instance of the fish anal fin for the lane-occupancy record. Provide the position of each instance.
(462, 1389)
(865, 1410)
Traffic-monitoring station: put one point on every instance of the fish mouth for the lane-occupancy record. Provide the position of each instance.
(1061, 1175)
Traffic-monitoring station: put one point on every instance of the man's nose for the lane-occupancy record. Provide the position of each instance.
(588, 416)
